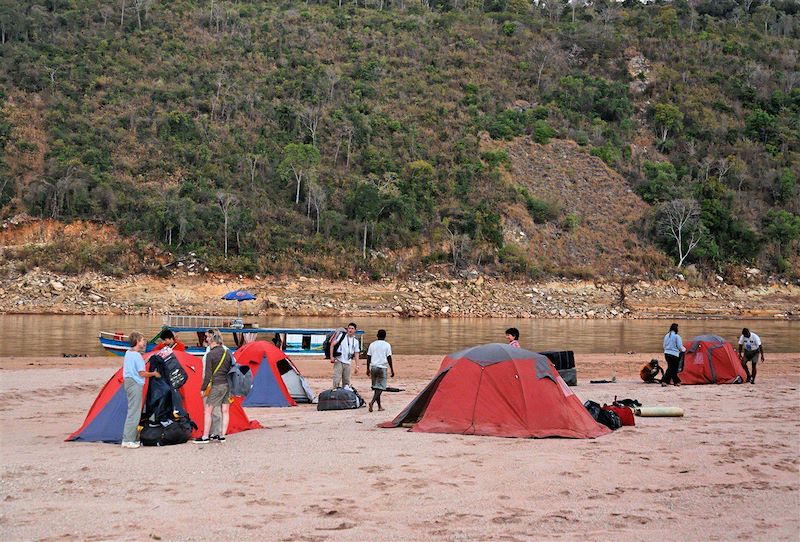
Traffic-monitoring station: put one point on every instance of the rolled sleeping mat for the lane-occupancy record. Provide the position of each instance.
(658, 411)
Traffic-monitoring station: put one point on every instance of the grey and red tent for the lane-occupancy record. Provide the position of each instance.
(498, 390)
(106, 417)
(276, 381)
(710, 359)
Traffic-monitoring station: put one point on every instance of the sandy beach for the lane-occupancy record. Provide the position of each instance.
(727, 470)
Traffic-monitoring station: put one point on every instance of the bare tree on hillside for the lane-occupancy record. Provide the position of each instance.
(545, 54)
(317, 198)
(310, 116)
(227, 202)
(680, 220)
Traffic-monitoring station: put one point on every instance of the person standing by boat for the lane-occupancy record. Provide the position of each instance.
(134, 373)
(379, 362)
(344, 353)
(673, 347)
(215, 387)
(168, 340)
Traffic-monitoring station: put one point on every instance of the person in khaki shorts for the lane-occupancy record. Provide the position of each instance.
(215, 387)
(345, 356)
(379, 361)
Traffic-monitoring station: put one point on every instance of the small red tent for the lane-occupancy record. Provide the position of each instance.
(710, 359)
(501, 391)
(106, 417)
(276, 381)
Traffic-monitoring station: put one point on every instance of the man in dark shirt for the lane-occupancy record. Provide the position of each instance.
(215, 387)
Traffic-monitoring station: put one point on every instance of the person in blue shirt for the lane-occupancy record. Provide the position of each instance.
(673, 347)
(134, 373)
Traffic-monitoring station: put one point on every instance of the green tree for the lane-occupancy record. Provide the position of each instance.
(668, 119)
(782, 228)
(299, 162)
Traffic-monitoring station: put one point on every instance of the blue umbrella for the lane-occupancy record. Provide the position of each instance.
(239, 296)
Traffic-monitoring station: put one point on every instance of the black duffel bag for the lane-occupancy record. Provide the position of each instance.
(166, 433)
(339, 399)
(606, 417)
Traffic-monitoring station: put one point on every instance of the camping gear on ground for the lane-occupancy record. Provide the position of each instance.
(240, 379)
(710, 359)
(166, 433)
(340, 399)
(106, 417)
(276, 380)
(612, 381)
(394, 390)
(657, 412)
(606, 417)
(498, 390)
(564, 363)
(625, 414)
(164, 420)
(626, 402)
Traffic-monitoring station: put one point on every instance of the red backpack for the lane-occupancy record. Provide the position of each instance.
(625, 414)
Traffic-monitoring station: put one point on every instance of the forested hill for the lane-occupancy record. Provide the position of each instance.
(319, 138)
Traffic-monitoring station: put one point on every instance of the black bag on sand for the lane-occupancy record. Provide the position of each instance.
(606, 417)
(166, 433)
(340, 399)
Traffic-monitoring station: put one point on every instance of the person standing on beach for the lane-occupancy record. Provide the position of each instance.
(134, 373)
(512, 334)
(379, 360)
(752, 348)
(346, 357)
(673, 347)
(215, 387)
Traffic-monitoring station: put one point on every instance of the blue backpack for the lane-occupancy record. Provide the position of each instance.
(240, 379)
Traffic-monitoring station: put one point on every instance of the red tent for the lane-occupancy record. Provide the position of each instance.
(501, 391)
(710, 359)
(276, 381)
(106, 417)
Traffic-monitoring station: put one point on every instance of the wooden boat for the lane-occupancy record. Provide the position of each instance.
(293, 341)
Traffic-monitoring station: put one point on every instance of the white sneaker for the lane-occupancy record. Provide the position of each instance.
(131, 444)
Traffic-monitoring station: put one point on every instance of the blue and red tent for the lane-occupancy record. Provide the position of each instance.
(276, 381)
(106, 417)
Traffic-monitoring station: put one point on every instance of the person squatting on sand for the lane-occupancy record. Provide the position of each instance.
(215, 387)
(752, 347)
(379, 358)
(134, 373)
(344, 353)
(512, 334)
(673, 347)
(650, 371)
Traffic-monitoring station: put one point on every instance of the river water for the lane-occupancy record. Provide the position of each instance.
(55, 335)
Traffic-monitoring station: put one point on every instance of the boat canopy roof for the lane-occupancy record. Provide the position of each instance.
(288, 330)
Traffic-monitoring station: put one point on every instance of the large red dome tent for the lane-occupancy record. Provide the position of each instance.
(710, 359)
(502, 391)
(106, 417)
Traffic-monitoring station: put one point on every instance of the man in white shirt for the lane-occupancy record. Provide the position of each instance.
(379, 360)
(344, 356)
(752, 348)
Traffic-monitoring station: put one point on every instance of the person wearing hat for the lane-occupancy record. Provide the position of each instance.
(650, 371)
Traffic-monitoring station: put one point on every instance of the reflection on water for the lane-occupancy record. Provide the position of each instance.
(46, 335)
